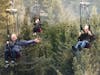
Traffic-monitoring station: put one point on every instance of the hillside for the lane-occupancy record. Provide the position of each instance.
(53, 56)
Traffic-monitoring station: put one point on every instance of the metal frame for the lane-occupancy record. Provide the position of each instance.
(84, 12)
(37, 8)
(11, 11)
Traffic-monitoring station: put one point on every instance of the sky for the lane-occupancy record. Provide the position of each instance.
(68, 7)
(74, 5)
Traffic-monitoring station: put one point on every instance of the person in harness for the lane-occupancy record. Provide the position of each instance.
(37, 26)
(84, 39)
(13, 47)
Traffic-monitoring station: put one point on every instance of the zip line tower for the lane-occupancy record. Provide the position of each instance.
(11, 15)
(84, 12)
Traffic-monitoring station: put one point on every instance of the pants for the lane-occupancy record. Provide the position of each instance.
(37, 29)
(12, 54)
(7, 54)
(82, 44)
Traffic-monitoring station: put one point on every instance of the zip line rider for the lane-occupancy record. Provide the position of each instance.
(84, 39)
(37, 26)
(12, 49)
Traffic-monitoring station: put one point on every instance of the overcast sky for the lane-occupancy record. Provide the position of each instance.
(74, 4)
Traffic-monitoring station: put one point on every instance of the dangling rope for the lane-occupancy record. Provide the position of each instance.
(78, 55)
(8, 31)
(37, 8)
(80, 17)
(84, 5)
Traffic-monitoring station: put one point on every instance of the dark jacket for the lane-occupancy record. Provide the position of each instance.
(84, 36)
(37, 27)
(17, 46)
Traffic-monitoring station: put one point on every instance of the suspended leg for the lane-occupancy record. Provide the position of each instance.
(78, 44)
(13, 56)
(84, 43)
(75, 48)
(7, 55)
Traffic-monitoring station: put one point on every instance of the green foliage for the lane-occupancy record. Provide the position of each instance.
(26, 34)
(88, 60)
(3, 20)
(53, 55)
(54, 52)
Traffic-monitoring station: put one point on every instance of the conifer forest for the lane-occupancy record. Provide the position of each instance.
(60, 22)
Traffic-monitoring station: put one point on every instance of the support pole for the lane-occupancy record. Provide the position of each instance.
(84, 10)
